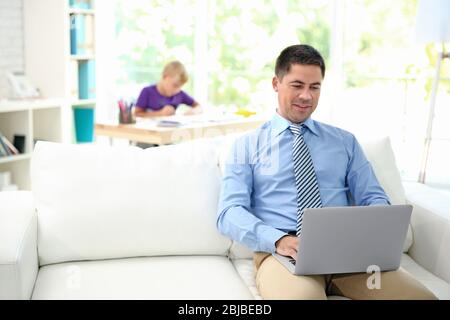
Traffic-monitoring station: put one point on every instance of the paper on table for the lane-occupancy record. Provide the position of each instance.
(182, 120)
(169, 123)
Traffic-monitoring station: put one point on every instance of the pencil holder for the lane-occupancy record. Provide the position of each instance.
(127, 117)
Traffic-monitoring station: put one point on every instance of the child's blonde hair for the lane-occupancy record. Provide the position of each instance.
(176, 69)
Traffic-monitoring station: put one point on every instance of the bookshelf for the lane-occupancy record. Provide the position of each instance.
(73, 10)
(53, 67)
(35, 120)
(60, 59)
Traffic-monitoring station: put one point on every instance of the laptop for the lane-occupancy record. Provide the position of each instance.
(350, 239)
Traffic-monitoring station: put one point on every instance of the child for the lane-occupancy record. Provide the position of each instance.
(163, 98)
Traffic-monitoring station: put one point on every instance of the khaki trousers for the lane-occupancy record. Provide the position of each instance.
(274, 281)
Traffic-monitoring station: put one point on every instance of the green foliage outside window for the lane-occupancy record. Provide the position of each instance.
(243, 41)
(244, 38)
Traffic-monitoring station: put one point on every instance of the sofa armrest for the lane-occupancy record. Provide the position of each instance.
(431, 228)
(18, 245)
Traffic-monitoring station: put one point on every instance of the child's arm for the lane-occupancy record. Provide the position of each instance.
(195, 109)
(167, 110)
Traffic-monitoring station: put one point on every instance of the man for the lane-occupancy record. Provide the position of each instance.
(293, 162)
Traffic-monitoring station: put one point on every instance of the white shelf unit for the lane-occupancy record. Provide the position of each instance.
(83, 102)
(49, 63)
(81, 11)
(82, 57)
(34, 119)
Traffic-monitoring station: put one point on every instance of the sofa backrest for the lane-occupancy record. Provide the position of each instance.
(382, 158)
(99, 202)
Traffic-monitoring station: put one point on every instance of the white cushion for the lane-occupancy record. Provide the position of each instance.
(439, 287)
(97, 202)
(174, 278)
(431, 227)
(18, 252)
(382, 158)
(245, 269)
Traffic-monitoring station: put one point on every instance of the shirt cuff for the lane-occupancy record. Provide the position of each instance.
(380, 202)
(268, 239)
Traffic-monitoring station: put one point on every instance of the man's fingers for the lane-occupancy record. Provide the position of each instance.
(293, 254)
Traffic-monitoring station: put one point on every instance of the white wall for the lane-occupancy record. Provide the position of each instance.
(11, 41)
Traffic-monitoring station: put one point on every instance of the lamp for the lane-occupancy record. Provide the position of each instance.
(432, 25)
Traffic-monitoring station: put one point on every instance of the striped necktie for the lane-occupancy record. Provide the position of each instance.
(308, 195)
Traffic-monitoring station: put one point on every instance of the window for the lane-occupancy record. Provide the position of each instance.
(246, 38)
(150, 33)
(242, 38)
(378, 79)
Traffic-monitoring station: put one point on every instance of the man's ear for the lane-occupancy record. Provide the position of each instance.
(275, 83)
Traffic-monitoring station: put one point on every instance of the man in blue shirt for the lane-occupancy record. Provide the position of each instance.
(259, 198)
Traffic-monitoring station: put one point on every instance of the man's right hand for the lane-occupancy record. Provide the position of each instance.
(287, 246)
(167, 110)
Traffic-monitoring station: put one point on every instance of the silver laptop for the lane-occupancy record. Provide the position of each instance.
(350, 239)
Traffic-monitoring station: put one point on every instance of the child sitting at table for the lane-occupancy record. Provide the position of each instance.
(163, 98)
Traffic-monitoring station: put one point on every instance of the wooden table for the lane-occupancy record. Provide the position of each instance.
(192, 127)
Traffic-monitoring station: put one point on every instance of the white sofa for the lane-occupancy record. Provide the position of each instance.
(126, 223)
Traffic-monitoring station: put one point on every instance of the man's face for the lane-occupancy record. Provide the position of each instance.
(298, 92)
(172, 85)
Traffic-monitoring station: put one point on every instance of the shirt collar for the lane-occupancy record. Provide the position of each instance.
(279, 124)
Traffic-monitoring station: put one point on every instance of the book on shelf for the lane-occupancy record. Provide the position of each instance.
(90, 34)
(77, 32)
(6, 147)
(80, 4)
(3, 150)
(19, 142)
(74, 79)
(11, 147)
(86, 79)
(81, 34)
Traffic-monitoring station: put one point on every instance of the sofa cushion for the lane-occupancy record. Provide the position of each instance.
(431, 227)
(246, 271)
(439, 287)
(174, 278)
(382, 158)
(101, 202)
(18, 253)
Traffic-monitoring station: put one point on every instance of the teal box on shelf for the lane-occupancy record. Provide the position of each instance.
(77, 34)
(80, 4)
(84, 123)
(86, 79)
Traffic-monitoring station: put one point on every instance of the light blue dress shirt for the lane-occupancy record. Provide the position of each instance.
(258, 201)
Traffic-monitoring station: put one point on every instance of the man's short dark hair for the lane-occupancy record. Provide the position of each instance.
(298, 54)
